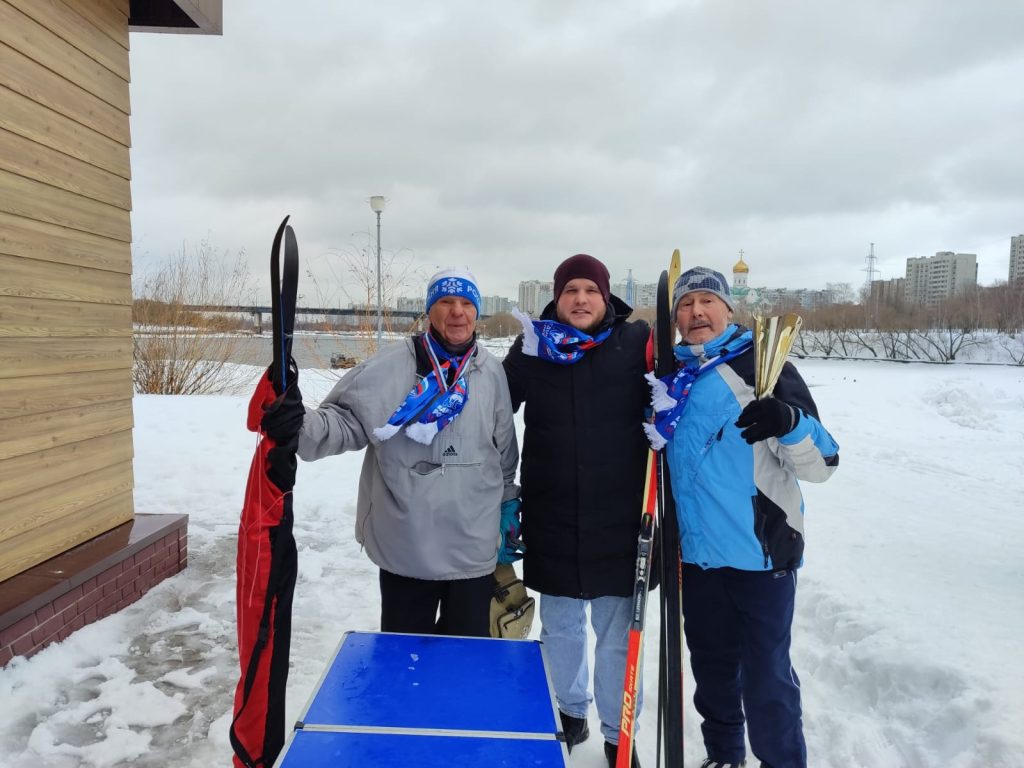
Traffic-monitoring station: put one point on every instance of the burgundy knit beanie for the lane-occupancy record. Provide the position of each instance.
(582, 265)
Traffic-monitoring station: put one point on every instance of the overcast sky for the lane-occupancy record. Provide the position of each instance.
(508, 136)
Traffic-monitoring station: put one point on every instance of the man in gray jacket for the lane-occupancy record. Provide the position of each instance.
(434, 415)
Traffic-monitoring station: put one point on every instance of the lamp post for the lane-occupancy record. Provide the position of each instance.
(377, 203)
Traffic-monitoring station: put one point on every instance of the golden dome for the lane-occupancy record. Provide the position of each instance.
(740, 266)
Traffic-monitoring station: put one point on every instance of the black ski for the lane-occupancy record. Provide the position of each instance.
(257, 733)
(283, 303)
(670, 677)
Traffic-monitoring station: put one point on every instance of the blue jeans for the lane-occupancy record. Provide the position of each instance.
(564, 636)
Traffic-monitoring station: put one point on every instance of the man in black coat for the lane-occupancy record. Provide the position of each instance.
(579, 369)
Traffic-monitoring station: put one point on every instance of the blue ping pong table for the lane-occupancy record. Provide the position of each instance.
(427, 701)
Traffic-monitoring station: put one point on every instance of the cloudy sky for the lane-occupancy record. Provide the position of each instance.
(508, 136)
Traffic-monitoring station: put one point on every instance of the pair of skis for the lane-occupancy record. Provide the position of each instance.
(658, 512)
(267, 560)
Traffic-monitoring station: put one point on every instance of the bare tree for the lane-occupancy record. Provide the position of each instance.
(1013, 346)
(499, 326)
(179, 350)
(1004, 307)
(353, 270)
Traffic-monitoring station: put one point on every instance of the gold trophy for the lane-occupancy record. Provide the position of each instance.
(773, 338)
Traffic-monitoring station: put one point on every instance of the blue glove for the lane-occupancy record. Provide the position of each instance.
(512, 547)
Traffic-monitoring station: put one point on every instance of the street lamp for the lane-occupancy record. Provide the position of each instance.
(377, 203)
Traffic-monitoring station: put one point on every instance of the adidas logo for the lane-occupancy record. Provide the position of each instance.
(450, 451)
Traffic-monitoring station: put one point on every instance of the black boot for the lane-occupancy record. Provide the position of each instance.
(611, 751)
(575, 729)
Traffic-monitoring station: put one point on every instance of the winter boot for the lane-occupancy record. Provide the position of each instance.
(575, 729)
(709, 763)
(611, 751)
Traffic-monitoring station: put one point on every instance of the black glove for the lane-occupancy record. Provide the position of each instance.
(282, 419)
(768, 417)
(281, 463)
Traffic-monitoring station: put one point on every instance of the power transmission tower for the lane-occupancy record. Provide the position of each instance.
(870, 261)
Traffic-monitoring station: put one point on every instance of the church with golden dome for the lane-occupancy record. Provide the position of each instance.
(740, 289)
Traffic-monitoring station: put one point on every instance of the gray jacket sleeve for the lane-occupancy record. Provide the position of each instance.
(336, 426)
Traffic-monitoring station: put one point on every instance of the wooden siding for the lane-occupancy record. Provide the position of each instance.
(19, 114)
(19, 553)
(46, 242)
(27, 357)
(35, 200)
(95, 29)
(32, 160)
(41, 431)
(30, 78)
(56, 465)
(65, 277)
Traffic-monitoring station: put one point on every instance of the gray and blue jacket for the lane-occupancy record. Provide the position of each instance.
(423, 511)
(739, 505)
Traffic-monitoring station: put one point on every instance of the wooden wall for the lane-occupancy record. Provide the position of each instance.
(65, 277)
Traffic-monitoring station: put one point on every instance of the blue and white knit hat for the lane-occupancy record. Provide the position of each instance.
(453, 281)
(702, 279)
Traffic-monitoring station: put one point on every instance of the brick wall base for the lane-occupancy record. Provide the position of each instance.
(47, 603)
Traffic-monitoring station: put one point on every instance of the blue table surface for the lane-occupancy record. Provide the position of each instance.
(425, 681)
(321, 749)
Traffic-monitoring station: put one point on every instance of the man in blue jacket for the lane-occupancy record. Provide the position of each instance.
(735, 463)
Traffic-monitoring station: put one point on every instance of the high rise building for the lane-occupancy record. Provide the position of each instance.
(407, 304)
(494, 305)
(645, 295)
(534, 295)
(637, 295)
(1016, 260)
(888, 292)
(931, 280)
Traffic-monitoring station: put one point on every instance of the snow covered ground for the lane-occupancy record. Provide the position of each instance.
(910, 607)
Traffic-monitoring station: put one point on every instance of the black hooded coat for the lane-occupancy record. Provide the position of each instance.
(583, 460)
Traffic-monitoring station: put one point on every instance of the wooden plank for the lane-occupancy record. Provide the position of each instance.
(43, 357)
(33, 279)
(39, 507)
(43, 45)
(48, 242)
(24, 395)
(78, 30)
(34, 200)
(21, 317)
(38, 432)
(111, 18)
(23, 474)
(34, 547)
(31, 79)
(123, 7)
(32, 120)
(35, 161)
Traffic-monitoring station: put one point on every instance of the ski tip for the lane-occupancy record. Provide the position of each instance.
(283, 224)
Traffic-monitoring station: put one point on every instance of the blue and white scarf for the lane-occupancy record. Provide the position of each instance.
(556, 342)
(670, 393)
(433, 403)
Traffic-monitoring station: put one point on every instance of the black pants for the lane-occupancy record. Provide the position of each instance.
(737, 626)
(457, 607)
